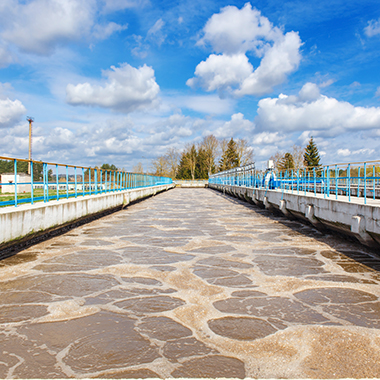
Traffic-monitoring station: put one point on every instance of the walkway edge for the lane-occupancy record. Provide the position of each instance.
(358, 220)
(26, 221)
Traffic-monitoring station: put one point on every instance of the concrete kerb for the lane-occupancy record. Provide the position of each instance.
(27, 221)
(358, 220)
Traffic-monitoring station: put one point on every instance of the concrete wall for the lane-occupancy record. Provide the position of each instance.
(350, 218)
(10, 178)
(18, 222)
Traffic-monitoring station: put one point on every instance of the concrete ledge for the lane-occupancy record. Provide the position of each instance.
(26, 221)
(351, 218)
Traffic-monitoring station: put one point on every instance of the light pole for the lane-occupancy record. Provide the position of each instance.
(30, 119)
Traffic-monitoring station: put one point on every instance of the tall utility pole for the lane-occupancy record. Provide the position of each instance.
(30, 119)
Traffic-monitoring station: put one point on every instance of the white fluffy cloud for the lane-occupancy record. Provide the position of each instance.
(236, 127)
(373, 28)
(126, 89)
(39, 26)
(10, 112)
(312, 111)
(221, 72)
(235, 32)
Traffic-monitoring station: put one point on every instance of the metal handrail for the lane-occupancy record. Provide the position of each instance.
(55, 185)
(356, 179)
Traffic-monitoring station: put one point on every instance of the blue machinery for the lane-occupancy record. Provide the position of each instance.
(357, 179)
(56, 181)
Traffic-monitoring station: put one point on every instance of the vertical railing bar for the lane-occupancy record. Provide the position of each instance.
(67, 182)
(31, 183)
(365, 183)
(57, 180)
(76, 182)
(15, 180)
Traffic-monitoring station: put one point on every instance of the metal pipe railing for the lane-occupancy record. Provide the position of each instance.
(357, 179)
(51, 181)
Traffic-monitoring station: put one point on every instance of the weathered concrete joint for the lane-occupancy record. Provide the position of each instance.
(267, 205)
(283, 208)
(358, 228)
(309, 215)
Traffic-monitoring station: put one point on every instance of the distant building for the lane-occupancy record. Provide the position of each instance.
(7, 181)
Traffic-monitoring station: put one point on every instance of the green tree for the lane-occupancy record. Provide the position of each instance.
(108, 167)
(311, 156)
(183, 171)
(286, 163)
(230, 158)
(201, 167)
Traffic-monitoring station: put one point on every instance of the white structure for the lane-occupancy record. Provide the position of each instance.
(7, 181)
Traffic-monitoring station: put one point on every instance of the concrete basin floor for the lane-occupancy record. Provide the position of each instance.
(191, 283)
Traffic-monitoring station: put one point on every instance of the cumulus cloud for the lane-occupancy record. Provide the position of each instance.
(232, 34)
(311, 110)
(126, 89)
(236, 127)
(39, 26)
(11, 112)
(267, 138)
(220, 72)
(373, 28)
(348, 153)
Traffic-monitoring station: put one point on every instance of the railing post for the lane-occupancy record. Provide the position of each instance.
(349, 182)
(57, 180)
(336, 181)
(365, 183)
(96, 180)
(89, 179)
(15, 181)
(83, 188)
(374, 181)
(358, 191)
(328, 181)
(76, 182)
(31, 182)
(67, 182)
(45, 181)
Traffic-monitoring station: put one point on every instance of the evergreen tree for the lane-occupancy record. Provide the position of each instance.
(286, 163)
(201, 165)
(230, 158)
(311, 156)
(183, 171)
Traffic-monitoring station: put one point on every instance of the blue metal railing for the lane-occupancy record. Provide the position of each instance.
(52, 181)
(357, 179)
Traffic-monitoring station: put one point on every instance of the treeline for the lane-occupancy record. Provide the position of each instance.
(7, 166)
(199, 161)
(299, 158)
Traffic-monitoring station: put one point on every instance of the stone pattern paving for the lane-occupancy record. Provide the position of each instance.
(191, 283)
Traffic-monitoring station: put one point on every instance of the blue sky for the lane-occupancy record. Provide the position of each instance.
(122, 81)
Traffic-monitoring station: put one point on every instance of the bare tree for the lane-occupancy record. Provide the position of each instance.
(172, 157)
(244, 152)
(223, 145)
(210, 145)
(138, 168)
(160, 167)
(191, 158)
(298, 157)
(277, 158)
